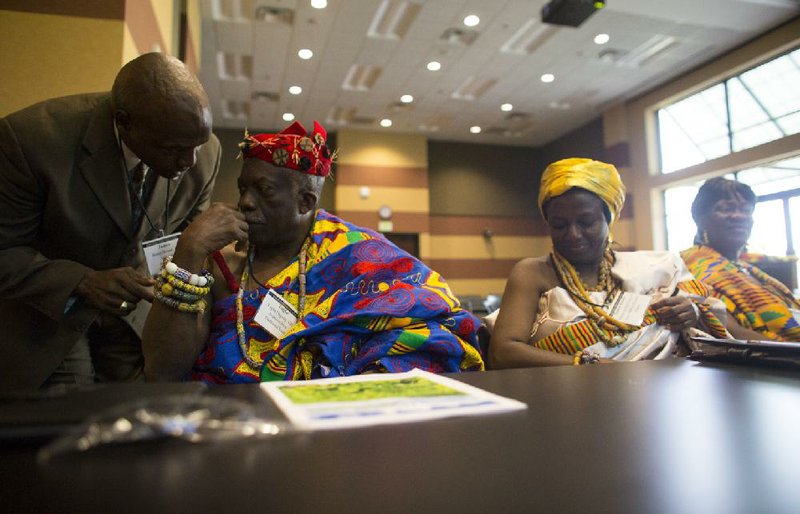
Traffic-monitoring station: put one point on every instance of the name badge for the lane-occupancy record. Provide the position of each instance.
(156, 249)
(630, 308)
(275, 314)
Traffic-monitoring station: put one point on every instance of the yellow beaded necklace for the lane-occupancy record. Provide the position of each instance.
(301, 301)
(609, 329)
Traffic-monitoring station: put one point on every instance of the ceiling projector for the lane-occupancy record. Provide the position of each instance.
(569, 12)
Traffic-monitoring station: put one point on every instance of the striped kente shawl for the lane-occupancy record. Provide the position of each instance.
(369, 306)
(756, 300)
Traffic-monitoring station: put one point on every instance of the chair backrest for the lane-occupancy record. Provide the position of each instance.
(473, 304)
(783, 270)
(484, 337)
(492, 302)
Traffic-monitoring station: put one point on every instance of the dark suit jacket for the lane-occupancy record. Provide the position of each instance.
(65, 210)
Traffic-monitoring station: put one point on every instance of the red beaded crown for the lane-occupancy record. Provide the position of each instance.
(292, 148)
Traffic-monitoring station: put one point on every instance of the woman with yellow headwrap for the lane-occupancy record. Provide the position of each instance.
(585, 302)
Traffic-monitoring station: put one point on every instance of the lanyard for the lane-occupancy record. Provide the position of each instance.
(161, 231)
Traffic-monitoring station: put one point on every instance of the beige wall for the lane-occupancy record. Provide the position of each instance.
(382, 149)
(392, 169)
(193, 32)
(166, 16)
(48, 55)
(643, 178)
(52, 49)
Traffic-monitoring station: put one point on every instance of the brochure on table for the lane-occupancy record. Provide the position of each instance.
(378, 399)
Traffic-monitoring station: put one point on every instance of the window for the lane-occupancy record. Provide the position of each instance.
(750, 109)
(776, 219)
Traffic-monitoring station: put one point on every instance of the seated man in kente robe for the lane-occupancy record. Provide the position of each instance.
(276, 289)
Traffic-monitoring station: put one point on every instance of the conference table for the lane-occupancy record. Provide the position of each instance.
(669, 436)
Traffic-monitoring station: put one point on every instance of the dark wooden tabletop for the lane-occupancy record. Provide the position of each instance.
(674, 436)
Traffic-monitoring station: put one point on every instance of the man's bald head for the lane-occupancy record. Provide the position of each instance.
(161, 112)
(156, 78)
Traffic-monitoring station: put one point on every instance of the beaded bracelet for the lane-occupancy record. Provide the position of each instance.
(180, 284)
(585, 357)
(205, 278)
(198, 306)
(168, 289)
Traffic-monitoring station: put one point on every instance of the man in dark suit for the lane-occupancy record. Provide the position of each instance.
(84, 180)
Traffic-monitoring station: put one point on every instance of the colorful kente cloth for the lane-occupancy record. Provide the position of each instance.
(561, 326)
(370, 306)
(756, 300)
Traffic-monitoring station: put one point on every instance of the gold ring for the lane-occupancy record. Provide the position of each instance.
(124, 305)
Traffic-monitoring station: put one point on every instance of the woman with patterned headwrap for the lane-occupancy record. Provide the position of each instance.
(585, 302)
(723, 212)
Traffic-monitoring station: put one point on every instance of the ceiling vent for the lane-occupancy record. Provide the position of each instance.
(276, 15)
(268, 96)
(399, 107)
(393, 19)
(518, 117)
(363, 120)
(654, 47)
(458, 37)
(503, 131)
(235, 66)
(532, 35)
(473, 88)
(361, 77)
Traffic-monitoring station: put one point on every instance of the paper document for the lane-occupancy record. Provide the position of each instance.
(364, 400)
(630, 308)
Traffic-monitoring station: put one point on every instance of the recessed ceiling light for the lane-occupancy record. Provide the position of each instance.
(601, 39)
(471, 20)
(319, 4)
(548, 77)
(386, 122)
(434, 66)
(305, 53)
(475, 129)
(506, 107)
(406, 99)
(287, 116)
(295, 90)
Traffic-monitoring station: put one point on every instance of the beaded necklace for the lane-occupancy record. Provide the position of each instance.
(600, 320)
(301, 301)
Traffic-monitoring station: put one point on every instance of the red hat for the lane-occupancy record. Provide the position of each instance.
(292, 148)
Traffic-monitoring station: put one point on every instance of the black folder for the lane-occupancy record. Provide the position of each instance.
(738, 351)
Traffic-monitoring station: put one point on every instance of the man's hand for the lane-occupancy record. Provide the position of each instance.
(676, 313)
(215, 228)
(116, 291)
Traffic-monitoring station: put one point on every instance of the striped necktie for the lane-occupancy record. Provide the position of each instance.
(136, 189)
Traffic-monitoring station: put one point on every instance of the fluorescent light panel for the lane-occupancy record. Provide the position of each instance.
(340, 115)
(393, 18)
(647, 51)
(361, 77)
(473, 88)
(528, 38)
(235, 109)
(234, 66)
